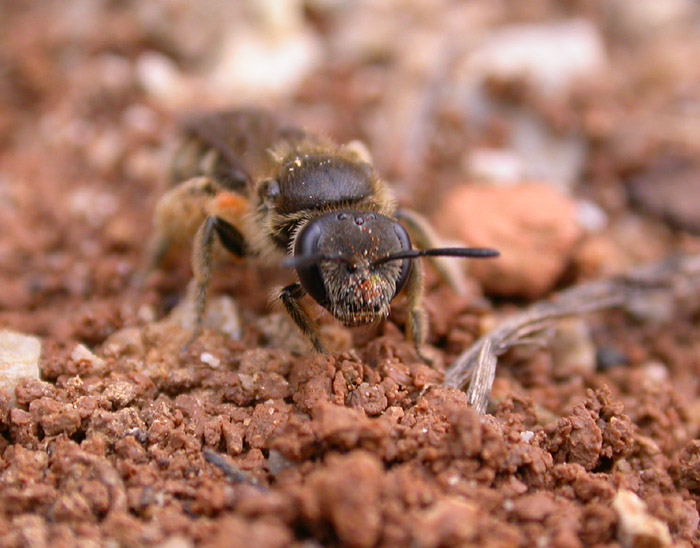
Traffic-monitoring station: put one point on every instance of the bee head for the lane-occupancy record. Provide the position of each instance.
(353, 263)
(335, 256)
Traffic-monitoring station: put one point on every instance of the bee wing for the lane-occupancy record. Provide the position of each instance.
(242, 137)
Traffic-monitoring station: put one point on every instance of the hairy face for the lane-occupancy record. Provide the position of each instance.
(351, 281)
(361, 293)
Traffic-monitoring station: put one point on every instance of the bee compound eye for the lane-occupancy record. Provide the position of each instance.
(310, 276)
(269, 190)
(406, 264)
(312, 281)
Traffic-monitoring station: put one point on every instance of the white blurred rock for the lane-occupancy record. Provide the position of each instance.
(19, 359)
(271, 57)
(573, 351)
(546, 156)
(636, 526)
(176, 541)
(210, 360)
(82, 353)
(92, 205)
(494, 165)
(591, 217)
(655, 371)
(644, 18)
(551, 56)
(161, 78)
(220, 315)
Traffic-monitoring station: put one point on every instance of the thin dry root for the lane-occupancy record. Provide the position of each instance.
(675, 283)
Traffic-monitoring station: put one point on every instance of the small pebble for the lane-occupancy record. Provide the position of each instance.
(552, 56)
(83, 353)
(19, 359)
(527, 436)
(534, 227)
(573, 351)
(210, 359)
(636, 526)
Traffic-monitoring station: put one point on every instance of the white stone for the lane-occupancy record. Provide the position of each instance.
(210, 359)
(552, 56)
(83, 353)
(591, 217)
(270, 58)
(494, 165)
(92, 205)
(527, 435)
(160, 77)
(19, 359)
(573, 351)
(546, 156)
(176, 541)
(637, 527)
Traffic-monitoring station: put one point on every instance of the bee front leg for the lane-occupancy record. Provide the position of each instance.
(290, 296)
(417, 323)
(202, 260)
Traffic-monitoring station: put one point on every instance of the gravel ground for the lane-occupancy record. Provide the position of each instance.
(566, 134)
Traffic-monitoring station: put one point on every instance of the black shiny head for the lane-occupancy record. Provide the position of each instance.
(336, 256)
(354, 263)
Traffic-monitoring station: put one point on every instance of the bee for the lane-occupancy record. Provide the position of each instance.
(268, 191)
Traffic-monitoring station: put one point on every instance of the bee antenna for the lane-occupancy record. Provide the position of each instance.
(300, 261)
(465, 252)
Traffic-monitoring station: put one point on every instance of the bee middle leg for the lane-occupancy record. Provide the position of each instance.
(417, 322)
(290, 296)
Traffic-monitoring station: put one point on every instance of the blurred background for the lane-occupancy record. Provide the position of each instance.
(564, 133)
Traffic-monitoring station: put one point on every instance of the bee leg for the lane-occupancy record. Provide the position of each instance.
(424, 236)
(202, 259)
(417, 324)
(230, 237)
(290, 296)
(178, 214)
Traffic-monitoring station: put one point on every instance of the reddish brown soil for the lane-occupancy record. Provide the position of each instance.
(268, 446)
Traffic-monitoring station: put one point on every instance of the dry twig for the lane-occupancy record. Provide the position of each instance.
(665, 287)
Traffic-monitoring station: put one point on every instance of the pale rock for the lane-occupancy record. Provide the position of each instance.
(270, 57)
(92, 205)
(494, 166)
(551, 56)
(527, 435)
(591, 217)
(126, 341)
(82, 353)
(545, 155)
(636, 526)
(176, 541)
(646, 19)
(573, 351)
(655, 371)
(221, 314)
(210, 360)
(533, 226)
(161, 78)
(19, 359)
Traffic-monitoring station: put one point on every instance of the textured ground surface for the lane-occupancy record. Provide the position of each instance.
(123, 441)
